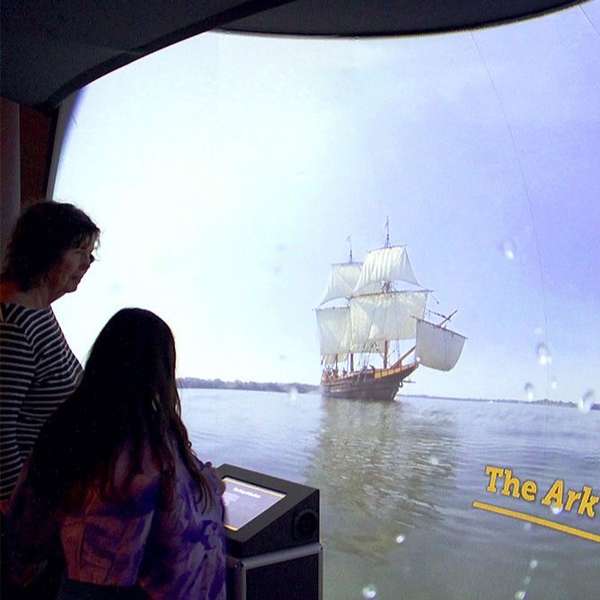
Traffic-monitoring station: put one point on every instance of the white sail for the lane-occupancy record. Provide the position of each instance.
(385, 264)
(332, 360)
(334, 330)
(437, 347)
(342, 280)
(390, 316)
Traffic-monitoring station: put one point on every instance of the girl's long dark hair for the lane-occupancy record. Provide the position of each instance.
(127, 398)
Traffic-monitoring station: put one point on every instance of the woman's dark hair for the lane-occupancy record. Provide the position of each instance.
(43, 233)
(127, 400)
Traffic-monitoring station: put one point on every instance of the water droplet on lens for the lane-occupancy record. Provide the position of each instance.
(400, 538)
(527, 526)
(533, 564)
(543, 354)
(434, 460)
(520, 595)
(508, 249)
(528, 391)
(585, 403)
(554, 383)
(527, 580)
(369, 591)
(556, 509)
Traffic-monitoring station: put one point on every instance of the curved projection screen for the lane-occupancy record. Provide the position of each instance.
(227, 173)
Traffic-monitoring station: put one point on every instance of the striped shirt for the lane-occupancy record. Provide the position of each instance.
(38, 372)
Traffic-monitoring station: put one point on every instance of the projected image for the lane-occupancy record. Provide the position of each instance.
(379, 261)
(244, 502)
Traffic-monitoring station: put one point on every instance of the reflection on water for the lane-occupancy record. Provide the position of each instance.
(375, 464)
(398, 480)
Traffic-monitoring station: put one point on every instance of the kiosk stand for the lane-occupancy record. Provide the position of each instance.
(272, 529)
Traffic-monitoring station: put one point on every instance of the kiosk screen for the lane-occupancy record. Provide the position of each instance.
(243, 502)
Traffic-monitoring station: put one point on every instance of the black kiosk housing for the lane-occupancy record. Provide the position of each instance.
(272, 530)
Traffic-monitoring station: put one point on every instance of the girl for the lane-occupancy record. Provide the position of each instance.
(113, 475)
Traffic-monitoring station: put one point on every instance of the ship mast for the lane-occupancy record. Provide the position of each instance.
(387, 232)
(386, 288)
(351, 365)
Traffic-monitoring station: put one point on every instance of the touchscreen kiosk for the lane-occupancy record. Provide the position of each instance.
(272, 531)
(264, 513)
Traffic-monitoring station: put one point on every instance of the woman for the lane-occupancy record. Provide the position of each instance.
(50, 251)
(114, 475)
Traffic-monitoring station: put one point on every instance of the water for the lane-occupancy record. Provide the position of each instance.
(409, 470)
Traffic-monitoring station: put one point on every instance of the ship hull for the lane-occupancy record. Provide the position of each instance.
(378, 384)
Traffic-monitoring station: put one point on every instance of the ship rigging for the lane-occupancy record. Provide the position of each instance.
(381, 314)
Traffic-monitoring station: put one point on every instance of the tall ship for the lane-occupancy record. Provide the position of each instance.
(372, 328)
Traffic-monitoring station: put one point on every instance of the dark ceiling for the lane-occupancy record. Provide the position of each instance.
(51, 48)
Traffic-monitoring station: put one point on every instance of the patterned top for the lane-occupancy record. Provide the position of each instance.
(176, 553)
(38, 372)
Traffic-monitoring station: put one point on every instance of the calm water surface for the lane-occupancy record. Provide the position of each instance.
(397, 481)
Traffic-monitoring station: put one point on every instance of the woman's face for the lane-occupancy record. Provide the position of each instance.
(65, 276)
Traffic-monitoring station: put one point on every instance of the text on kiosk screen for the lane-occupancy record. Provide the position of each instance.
(243, 502)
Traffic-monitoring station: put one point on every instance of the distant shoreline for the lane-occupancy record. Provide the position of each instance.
(304, 388)
(543, 401)
(270, 386)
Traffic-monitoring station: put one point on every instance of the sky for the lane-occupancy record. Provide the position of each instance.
(227, 171)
